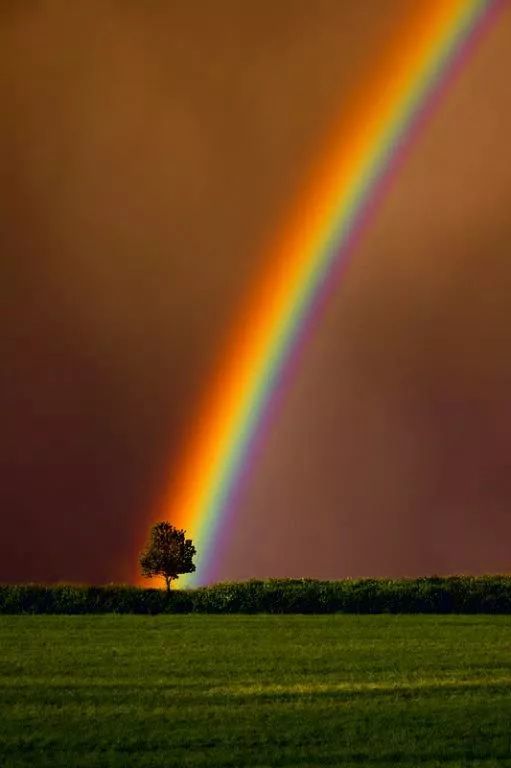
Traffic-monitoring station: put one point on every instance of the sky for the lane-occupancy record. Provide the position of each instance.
(148, 153)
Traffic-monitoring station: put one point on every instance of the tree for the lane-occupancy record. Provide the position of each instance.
(167, 554)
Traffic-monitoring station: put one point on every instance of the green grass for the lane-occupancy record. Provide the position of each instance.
(233, 691)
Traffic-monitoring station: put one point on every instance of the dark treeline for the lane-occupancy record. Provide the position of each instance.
(455, 594)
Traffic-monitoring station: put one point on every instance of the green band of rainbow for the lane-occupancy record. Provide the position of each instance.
(319, 242)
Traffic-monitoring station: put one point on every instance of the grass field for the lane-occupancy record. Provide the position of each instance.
(274, 691)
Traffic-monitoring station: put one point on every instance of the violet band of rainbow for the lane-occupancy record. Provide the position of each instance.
(314, 250)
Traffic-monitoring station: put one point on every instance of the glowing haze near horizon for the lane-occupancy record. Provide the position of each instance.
(142, 175)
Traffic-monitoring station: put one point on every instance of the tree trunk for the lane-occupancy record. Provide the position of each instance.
(167, 582)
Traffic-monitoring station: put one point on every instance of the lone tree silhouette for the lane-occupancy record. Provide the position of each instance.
(167, 554)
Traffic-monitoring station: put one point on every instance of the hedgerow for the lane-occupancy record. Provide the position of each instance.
(453, 594)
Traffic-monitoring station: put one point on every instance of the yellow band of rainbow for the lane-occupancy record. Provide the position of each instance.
(316, 240)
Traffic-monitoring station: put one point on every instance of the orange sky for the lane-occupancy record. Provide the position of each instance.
(142, 172)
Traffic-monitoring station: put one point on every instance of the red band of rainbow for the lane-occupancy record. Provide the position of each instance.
(314, 247)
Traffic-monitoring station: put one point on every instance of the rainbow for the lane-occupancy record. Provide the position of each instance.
(312, 250)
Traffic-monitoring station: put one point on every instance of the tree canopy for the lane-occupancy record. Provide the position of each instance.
(167, 554)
